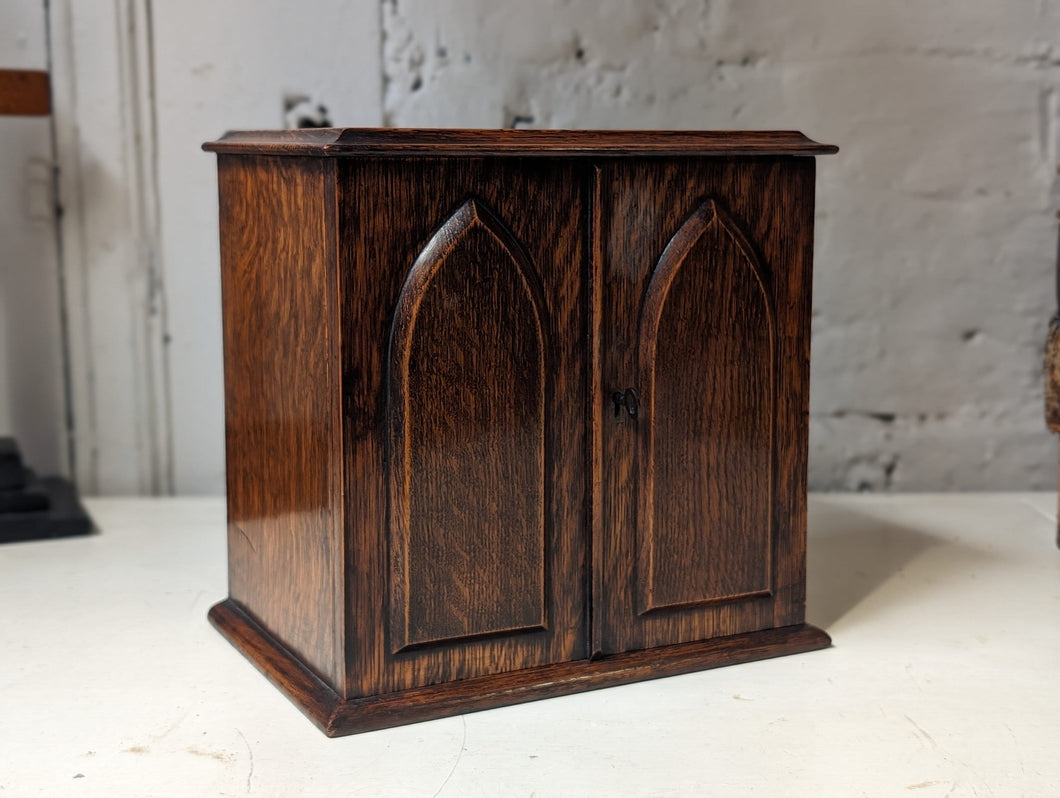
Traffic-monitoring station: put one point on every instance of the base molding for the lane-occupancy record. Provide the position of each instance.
(336, 716)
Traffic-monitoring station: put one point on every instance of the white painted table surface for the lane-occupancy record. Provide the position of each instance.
(944, 678)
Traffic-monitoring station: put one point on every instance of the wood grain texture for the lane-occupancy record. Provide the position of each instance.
(507, 427)
(466, 389)
(706, 365)
(1052, 376)
(718, 346)
(383, 142)
(1052, 369)
(24, 93)
(337, 717)
(390, 211)
(283, 440)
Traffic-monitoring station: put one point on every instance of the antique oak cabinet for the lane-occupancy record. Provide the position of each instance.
(512, 414)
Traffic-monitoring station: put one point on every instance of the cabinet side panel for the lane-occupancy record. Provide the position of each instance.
(282, 402)
(793, 235)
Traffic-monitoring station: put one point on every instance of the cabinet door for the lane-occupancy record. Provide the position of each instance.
(465, 394)
(700, 410)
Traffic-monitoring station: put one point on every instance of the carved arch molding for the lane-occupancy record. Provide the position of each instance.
(467, 384)
(706, 448)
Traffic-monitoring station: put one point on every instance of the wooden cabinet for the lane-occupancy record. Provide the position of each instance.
(512, 414)
(1051, 368)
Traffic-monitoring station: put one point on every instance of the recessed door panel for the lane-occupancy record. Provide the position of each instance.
(691, 257)
(464, 383)
(467, 385)
(705, 356)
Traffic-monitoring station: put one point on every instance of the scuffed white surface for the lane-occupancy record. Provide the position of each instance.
(941, 682)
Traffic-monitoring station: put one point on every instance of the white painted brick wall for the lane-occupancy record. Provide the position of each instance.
(228, 66)
(31, 388)
(936, 237)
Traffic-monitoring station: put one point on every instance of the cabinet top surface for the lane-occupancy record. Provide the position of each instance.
(555, 143)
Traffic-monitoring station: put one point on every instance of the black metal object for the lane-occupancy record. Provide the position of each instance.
(625, 400)
(34, 508)
(13, 475)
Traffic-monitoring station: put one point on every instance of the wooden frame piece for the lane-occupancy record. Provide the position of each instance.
(24, 93)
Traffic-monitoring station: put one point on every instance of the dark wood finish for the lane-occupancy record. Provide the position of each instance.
(282, 403)
(24, 93)
(477, 507)
(1052, 377)
(705, 356)
(335, 716)
(382, 142)
(703, 512)
(468, 367)
(1052, 368)
(512, 415)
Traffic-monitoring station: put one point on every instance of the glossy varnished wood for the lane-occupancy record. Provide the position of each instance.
(24, 92)
(483, 563)
(705, 359)
(337, 717)
(283, 441)
(383, 142)
(512, 414)
(1051, 368)
(466, 403)
(705, 293)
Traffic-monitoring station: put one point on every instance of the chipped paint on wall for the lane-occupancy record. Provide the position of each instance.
(936, 228)
(936, 233)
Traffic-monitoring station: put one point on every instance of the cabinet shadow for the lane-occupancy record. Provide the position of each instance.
(850, 554)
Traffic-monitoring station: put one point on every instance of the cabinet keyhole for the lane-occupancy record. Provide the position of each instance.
(625, 400)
